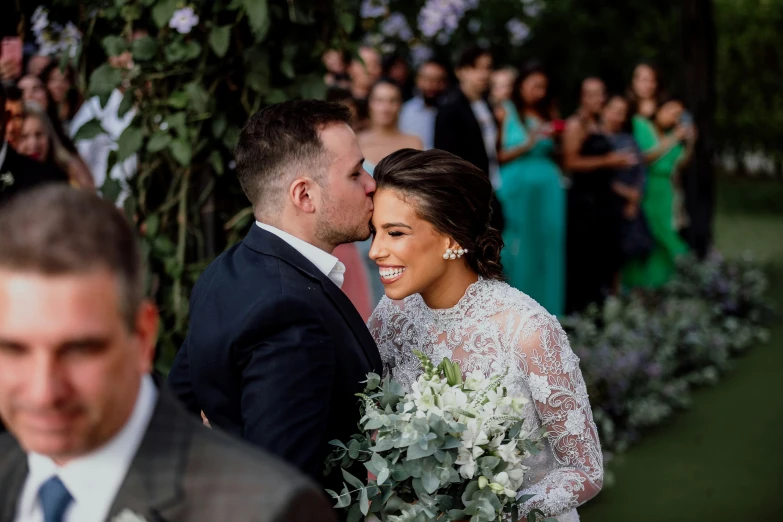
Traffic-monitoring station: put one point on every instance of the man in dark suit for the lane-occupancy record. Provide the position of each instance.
(95, 438)
(276, 352)
(18, 173)
(466, 125)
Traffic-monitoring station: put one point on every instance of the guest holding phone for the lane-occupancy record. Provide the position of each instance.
(531, 194)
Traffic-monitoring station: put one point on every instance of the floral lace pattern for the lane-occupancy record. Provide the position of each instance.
(495, 328)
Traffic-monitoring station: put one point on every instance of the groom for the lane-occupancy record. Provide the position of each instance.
(275, 351)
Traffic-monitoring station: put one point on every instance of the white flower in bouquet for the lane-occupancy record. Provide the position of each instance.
(446, 450)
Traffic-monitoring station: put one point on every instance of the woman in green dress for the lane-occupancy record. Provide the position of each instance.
(667, 147)
(531, 194)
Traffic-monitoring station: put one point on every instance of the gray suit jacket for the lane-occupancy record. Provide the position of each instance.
(184, 471)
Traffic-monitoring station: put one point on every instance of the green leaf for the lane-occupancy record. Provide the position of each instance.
(430, 481)
(287, 69)
(337, 443)
(344, 499)
(178, 99)
(163, 246)
(231, 137)
(192, 50)
(219, 39)
(114, 45)
(382, 476)
(258, 17)
(163, 11)
(104, 79)
(353, 481)
(364, 502)
(152, 225)
(219, 124)
(127, 103)
(354, 514)
(216, 160)
(347, 22)
(129, 142)
(111, 188)
(159, 141)
(144, 49)
(176, 121)
(89, 130)
(181, 151)
(312, 87)
(197, 96)
(415, 451)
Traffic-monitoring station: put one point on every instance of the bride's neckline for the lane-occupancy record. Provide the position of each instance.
(459, 308)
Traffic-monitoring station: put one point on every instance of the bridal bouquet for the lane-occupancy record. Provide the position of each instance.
(448, 450)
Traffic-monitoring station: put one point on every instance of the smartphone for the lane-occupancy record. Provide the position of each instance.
(686, 118)
(11, 52)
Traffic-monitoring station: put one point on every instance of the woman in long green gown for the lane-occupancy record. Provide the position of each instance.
(661, 140)
(532, 195)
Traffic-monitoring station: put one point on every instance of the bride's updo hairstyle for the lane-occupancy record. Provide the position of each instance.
(453, 196)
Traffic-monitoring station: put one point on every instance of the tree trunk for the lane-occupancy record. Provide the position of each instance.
(699, 57)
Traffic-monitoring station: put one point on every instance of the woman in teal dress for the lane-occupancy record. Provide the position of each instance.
(667, 147)
(532, 195)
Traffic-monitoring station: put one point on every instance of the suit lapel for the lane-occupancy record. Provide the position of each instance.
(13, 472)
(266, 243)
(153, 486)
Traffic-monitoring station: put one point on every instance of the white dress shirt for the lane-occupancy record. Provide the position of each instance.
(325, 262)
(3, 152)
(94, 479)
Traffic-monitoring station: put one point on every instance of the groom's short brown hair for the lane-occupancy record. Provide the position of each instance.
(279, 141)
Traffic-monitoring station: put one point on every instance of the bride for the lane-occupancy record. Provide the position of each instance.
(439, 262)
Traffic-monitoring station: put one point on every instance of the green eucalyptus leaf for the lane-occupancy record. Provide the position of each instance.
(430, 481)
(158, 141)
(344, 499)
(162, 12)
(89, 130)
(219, 39)
(258, 17)
(353, 481)
(144, 49)
(181, 151)
(354, 514)
(364, 502)
(383, 476)
(129, 142)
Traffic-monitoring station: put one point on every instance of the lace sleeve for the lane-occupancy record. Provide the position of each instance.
(560, 398)
(381, 326)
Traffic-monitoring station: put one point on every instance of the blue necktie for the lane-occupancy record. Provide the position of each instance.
(54, 499)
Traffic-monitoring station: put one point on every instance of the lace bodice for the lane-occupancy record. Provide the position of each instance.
(494, 327)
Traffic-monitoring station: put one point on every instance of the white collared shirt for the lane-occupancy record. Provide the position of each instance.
(325, 262)
(94, 479)
(3, 152)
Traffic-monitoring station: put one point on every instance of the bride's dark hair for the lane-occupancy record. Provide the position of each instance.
(451, 194)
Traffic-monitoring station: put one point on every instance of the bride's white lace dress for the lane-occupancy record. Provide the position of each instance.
(492, 328)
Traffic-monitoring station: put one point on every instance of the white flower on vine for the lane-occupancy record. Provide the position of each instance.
(539, 387)
(575, 422)
(40, 20)
(183, 20)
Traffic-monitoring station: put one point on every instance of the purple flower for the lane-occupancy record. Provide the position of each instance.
(531, 8)
(396, 26)
(183, 20)
(374, 8)
(518, 31)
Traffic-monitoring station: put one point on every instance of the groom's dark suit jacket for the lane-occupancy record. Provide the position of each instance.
(275, 353)
(183, 472)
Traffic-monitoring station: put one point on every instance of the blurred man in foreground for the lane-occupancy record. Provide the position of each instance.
(95, 437)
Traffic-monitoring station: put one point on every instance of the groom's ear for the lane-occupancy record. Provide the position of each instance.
(302, 193)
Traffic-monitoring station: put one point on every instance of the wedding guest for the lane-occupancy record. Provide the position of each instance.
(418, 114)
(94, 436)
(39, 141)
(335, 62)
(14, 113)
(19, 173)
(592, 227)
(61, 87)
(531, 193)
(465, 125)
(671, 144)
(33, 90)
(344, 97)
(364, 71)
(395, 67)
(501, 85)
(37, 63)
(645, 92)
(383, 135)
(628, 185)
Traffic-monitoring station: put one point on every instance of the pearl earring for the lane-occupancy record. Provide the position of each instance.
(455, 253)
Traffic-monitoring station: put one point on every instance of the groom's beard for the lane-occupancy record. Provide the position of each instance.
(331, 231)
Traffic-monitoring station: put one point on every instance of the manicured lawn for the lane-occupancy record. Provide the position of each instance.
(722, 460)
